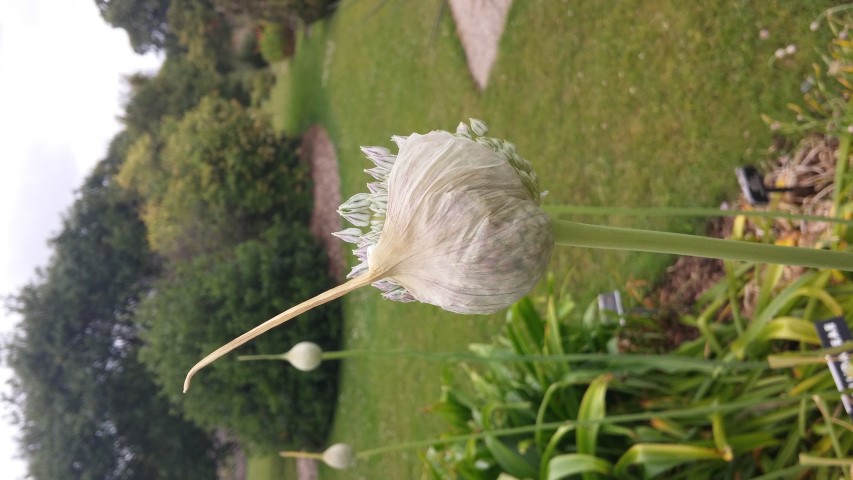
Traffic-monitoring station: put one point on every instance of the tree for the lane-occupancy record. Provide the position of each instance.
(87, 407)
(143, 20)
(219, 177)
(211, 299)
(177, 88)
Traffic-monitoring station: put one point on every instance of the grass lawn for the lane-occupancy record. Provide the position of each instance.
(631, 103)
(270, 467)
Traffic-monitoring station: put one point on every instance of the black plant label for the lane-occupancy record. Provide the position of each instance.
(833, 333)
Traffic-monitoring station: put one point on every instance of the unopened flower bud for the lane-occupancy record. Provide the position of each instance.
(305, 356)
(339, 456)
(479, 126)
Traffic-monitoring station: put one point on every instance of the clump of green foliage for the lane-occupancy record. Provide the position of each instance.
(215, 297)
(271, 42)
(214, 179)
(713, 408)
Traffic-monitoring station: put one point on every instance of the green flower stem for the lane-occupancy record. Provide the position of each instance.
(667, 362)
(277, 356)
(311, 455)
(610, 419)
(615, 238)
(684, 212)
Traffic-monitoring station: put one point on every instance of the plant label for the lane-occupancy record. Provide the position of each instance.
(833, 333)
(752, 185)
(610, 304)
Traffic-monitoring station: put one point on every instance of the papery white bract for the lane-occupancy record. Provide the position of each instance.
(454, 221)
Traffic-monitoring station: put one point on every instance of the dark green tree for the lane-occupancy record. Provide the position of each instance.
(213, 298)
(143, 20)
(175, 89)
(218, 178)
(87, 407)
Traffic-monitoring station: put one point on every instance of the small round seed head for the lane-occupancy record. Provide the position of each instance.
(339, 456)
(305, 356)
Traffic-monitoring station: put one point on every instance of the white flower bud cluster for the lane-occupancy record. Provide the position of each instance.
(368, 210)
(466, 215)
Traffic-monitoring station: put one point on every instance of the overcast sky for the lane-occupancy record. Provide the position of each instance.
(61, 88)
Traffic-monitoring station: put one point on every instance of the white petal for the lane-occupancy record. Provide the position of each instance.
(356, 202)
(386, 285)
(462, 130)
(381, 156)
(400, 141)
(378, 173)
(349, 235)
(359, 219)
(379, 202)
(357, 270)
(479, 126)
(399, 295)
(377, 187)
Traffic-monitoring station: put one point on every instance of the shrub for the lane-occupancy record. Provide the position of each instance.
(271, 42)
(212, 299)
(218, 178)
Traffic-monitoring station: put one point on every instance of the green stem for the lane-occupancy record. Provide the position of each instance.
(311, 455)
(668, 362)
(685, 212)
(277, 356)
(842, 158)
(616, 238)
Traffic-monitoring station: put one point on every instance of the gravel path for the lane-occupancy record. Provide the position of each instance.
(480, 25)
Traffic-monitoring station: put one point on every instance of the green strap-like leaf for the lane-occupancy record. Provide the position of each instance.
(656, 458)
(592, 410)
(563, 466)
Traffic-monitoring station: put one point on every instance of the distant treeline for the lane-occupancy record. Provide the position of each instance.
(192, 230)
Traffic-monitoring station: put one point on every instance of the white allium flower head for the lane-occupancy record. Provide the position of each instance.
(454, 222)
